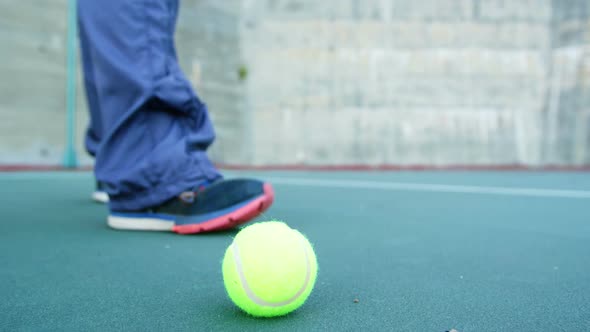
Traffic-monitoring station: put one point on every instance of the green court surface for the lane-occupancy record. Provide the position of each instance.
(421, 251)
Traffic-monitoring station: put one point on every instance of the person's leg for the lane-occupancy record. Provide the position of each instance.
(154, 130)
(94, 130)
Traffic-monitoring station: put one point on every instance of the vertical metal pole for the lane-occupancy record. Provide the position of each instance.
(70, 159)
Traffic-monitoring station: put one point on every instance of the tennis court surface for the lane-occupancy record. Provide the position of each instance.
(407, 251)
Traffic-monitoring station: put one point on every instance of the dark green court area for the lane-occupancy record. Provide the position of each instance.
(399, 251)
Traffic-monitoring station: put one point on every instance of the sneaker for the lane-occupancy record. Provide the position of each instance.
(99, 195)
(220, 206)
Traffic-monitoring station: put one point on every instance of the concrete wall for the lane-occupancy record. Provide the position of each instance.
(341, 81)
(209, 51)
(567, 132)
(397, 82)
(32, 81)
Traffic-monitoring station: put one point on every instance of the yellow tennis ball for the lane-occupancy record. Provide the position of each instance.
(269, 269)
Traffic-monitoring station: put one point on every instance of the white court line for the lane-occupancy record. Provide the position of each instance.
(401, 186)
(394, 186)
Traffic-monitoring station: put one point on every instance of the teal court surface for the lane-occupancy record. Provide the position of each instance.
(397, 251)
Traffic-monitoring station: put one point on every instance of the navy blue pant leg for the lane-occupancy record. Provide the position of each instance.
(148, 130)
(94, 130)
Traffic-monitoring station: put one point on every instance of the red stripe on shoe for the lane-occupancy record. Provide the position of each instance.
(234, 218)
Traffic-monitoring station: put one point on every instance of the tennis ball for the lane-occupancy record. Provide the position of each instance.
(269, 269)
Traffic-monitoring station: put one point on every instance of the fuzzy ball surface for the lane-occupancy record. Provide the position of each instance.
(269, 269)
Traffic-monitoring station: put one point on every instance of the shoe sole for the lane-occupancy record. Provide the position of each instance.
(224, 222)
(100, 197)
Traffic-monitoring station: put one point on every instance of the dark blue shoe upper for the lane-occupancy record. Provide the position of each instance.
(221, 196)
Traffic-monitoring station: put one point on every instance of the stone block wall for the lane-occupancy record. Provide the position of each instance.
(477, 82)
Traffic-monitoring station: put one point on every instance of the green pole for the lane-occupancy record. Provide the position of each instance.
(70, 159)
